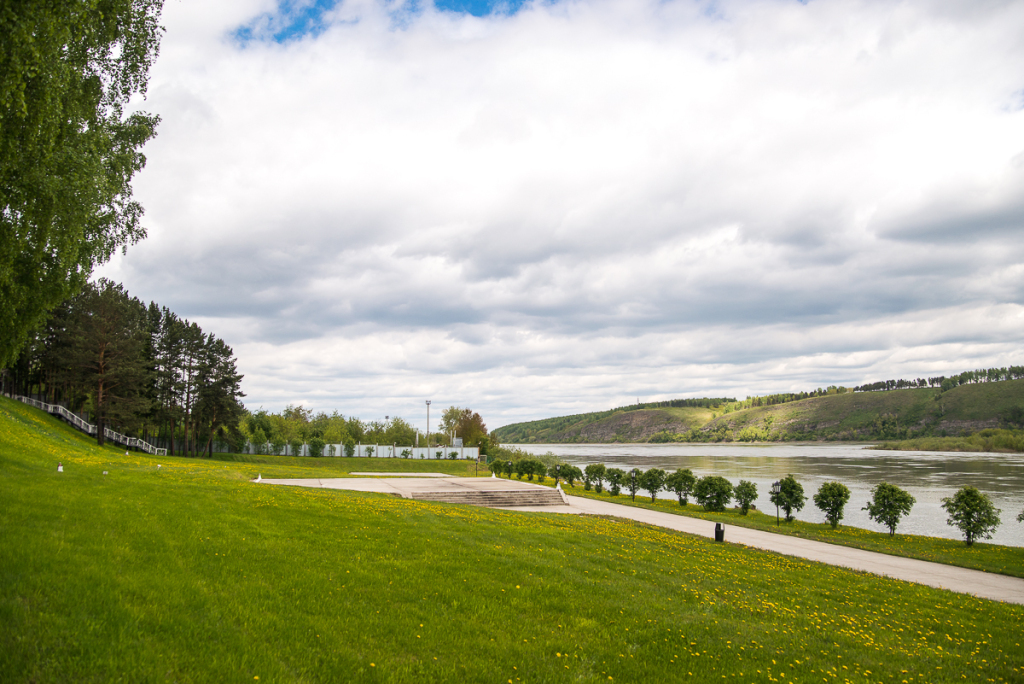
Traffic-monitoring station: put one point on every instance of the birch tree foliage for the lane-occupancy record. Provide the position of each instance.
(68, 150)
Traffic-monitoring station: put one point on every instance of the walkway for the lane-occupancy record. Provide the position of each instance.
(962, 580)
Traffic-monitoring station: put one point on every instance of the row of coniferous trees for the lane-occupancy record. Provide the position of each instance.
(138, 369)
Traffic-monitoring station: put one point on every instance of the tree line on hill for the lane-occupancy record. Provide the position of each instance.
(947, 383)
(942, 382)
(781, 398)
(970, 510)
(701, 402)
(297, 427)
(137, 368)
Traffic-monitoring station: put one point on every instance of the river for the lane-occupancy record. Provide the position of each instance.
(928, 476)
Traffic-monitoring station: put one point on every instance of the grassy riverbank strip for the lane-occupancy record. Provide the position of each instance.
(989, 441)
(116, 569)
(1005, 560)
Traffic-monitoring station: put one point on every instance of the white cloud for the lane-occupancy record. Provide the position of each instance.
(560, 209)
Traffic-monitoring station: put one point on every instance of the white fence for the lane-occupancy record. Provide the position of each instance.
(85, 427)
(381, 451)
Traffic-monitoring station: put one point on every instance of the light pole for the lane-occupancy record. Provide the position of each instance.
(428, 428)
(776, 488)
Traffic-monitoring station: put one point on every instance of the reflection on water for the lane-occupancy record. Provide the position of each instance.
(929, 476)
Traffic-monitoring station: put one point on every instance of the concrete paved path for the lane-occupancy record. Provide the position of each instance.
(380, 474)
(983, 584)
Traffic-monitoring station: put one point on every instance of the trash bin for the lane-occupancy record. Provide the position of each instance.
(719, 532)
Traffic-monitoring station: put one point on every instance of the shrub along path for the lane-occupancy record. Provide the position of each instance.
(962, 580)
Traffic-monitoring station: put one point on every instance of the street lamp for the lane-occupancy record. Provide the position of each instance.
(428, 428)
(776, 489)
(510, 470)
(558, 467)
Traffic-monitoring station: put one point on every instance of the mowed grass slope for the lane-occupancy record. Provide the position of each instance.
(190, 573)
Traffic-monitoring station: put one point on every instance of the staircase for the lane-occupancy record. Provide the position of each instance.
(507, 498)
(76, 421)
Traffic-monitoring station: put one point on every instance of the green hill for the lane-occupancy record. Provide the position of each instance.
(883, 415)
(117, 570)
(616, 425)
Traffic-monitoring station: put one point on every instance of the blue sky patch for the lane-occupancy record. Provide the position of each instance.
(480, 8)
(296, 19)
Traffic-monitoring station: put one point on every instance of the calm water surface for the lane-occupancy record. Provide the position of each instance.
(929, 476)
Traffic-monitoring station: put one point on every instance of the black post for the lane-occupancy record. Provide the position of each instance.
(776, 488)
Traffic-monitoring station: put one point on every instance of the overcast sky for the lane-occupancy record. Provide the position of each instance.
(546, 208)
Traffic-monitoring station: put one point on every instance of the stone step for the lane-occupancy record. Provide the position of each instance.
(496, 498)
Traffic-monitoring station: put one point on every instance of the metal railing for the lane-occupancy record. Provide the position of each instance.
(88, 429)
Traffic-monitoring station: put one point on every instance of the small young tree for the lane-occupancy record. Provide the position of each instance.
(790, 497)
(634, 482)
(534, 466)
(888, 504)
(496, 467)
(972, 512)
(519, 467)
(277, 443)
(1020, 518)
(406, 453)
(746, 494)
(350, 447)
(654, 481)
(572, 473)
(259, 441)
(296, 447)
(539, 469)
(713, 493)
(681, 482)
(830, 500)
(316, 447)
(615, 477)
(369, 451)
(593, 474)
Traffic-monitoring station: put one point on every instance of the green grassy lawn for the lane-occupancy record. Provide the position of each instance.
(1005, 560)
(191, 573)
